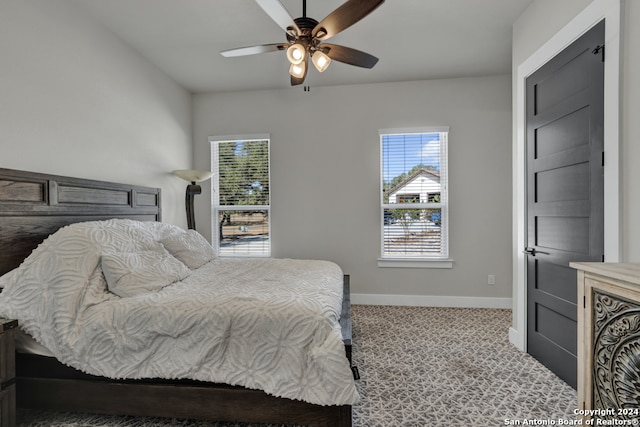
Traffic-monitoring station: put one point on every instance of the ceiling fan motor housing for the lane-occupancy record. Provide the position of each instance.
(306, 26)
(306, 23)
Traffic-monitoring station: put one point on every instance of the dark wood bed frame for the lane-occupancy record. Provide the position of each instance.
(34, 205)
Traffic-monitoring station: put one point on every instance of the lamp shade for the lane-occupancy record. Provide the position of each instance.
(193, 175)
(298, 70)
(320, 60)
(296, 53)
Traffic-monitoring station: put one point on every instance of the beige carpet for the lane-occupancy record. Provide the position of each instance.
(419, 366)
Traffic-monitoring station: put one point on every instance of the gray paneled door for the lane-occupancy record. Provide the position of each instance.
(565, 191)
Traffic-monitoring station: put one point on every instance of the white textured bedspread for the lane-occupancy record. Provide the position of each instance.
(269, 324)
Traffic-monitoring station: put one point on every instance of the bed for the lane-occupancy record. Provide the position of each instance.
(32, 207)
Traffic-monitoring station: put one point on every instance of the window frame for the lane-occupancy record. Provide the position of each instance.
(215, 194)
(422, 261)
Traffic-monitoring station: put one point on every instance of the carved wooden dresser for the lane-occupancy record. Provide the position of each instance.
(609, 340)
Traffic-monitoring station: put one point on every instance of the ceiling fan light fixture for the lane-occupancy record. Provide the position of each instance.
(320, 60)
(298, 70)
(306, 37)
(296, 53)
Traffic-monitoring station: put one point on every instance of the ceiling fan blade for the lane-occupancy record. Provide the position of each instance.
(254, 50)
(279, 14)
(348, 55)
(343, 17)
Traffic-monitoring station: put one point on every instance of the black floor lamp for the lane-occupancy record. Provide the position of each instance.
(193, 176)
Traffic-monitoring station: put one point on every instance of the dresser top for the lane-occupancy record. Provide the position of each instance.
(628, 272)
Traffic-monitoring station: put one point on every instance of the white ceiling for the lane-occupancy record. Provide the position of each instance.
(414, 39)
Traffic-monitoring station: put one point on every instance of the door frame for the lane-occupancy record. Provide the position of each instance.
(610, 10)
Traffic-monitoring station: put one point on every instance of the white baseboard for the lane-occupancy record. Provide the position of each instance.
(517, 339)
(431, 301)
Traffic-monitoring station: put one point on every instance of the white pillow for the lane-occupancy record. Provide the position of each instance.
(190, 248)
(134, 273)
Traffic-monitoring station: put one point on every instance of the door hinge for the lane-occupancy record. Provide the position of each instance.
(603, 159)
(599, 50)
(584, 301)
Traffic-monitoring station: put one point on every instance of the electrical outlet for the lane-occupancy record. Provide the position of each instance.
(491, 279)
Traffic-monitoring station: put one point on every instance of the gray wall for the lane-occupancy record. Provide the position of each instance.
(325, 176)
(75, 100)
(541, 20)
(630, 144)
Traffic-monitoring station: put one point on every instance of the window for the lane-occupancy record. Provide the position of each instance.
(414, 197)
(241, 195)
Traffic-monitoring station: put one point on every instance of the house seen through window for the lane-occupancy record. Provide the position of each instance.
(240, 195)
(414, 194)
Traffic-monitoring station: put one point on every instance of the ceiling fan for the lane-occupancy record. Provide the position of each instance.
(306, 37)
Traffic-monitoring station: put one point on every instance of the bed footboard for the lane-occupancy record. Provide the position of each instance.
(44, 383)
(195, 401)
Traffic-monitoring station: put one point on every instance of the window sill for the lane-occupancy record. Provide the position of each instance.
(414, 263)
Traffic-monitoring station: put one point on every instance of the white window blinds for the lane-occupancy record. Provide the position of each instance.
(414, 197)
(241, 196)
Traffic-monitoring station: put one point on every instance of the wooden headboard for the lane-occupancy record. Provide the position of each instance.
(34, 205)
